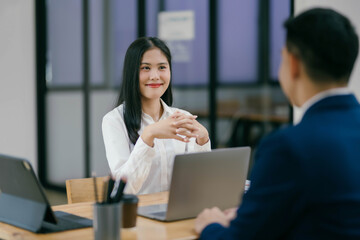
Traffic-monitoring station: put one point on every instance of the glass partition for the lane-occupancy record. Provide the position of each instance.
(238, 41)
(190, 57)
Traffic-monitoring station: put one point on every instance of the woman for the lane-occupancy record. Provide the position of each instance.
(143, 133)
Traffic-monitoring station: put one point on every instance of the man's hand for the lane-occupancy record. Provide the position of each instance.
(213, 215)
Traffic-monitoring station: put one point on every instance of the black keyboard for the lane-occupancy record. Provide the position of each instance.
(65, 221)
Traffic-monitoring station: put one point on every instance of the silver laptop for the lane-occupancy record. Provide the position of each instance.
(203, 180)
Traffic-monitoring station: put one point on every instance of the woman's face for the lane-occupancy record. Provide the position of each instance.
(154, 74)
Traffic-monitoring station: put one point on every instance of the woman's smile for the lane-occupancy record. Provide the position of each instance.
(154, 85)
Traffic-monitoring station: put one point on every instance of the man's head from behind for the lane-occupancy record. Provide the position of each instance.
(326, 45)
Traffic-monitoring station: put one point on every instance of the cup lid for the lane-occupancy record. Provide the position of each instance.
(129, 198)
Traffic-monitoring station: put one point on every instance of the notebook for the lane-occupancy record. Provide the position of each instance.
(202, 180)
(24, 204)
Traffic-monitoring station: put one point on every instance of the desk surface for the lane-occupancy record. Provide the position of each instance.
(145, 228)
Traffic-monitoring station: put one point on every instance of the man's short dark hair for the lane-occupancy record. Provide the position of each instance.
(326, 43)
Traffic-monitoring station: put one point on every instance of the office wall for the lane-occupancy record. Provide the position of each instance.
(350, 8)
(17, 79)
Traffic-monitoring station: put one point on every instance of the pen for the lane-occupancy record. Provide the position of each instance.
(117, 193)
(105, 188)
(95, 187)
(109, 189)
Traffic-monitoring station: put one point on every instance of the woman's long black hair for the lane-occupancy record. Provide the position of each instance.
(130, 94)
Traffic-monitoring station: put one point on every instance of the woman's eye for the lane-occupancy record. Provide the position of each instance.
(162, 67)
(145, 68)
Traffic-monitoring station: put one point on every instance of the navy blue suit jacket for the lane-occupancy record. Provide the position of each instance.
(305, 183)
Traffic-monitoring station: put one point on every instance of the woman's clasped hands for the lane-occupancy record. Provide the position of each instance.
(178, 126)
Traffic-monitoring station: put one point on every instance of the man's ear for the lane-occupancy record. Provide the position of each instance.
(295, 66)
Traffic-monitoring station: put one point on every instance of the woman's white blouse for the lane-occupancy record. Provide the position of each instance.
(148, 169)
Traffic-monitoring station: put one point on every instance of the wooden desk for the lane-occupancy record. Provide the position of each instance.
(145, 228)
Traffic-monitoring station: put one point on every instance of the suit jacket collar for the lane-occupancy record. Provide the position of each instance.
(333, 102)
(300, 111)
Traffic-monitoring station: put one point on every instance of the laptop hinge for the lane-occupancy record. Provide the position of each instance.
(49, 216)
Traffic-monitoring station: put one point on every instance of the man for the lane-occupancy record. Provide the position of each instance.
(306, 180)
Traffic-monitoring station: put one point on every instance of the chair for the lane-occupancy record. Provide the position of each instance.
(82, 189)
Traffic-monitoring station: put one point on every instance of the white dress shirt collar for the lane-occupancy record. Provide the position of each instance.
(167, 112)
(300, 111)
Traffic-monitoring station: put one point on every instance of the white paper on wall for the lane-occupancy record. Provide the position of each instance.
(176, 25)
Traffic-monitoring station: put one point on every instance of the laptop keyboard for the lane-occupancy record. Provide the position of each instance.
(159, 214)
(65, 221)
(157, 211)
